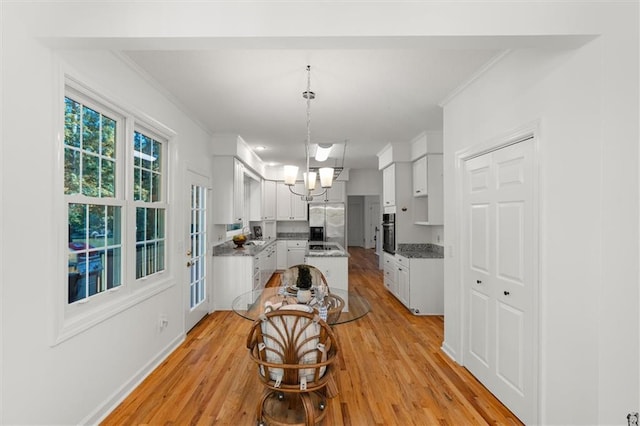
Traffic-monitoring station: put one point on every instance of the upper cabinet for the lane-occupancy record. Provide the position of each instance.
(428, 190)
(268, 200)
(288, 205)
(426, 153)
(228, 190)
(389, 185)
(420, 177)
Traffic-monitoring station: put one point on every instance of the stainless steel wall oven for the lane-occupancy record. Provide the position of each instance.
(389, 232)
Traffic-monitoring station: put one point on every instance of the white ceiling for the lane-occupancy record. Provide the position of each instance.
(368, 97)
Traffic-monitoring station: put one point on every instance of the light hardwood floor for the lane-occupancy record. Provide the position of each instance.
(391, 371)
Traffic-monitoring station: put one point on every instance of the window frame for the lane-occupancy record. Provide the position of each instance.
(70, 319)
(140, 127)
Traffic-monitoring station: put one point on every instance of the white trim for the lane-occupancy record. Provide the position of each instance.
(448, 350)
(104, 409)
(476, 75)
(160, 88)
(520, 134)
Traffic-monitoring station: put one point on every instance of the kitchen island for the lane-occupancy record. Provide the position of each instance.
(332, 260)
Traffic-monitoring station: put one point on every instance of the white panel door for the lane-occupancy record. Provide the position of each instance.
(499, 244)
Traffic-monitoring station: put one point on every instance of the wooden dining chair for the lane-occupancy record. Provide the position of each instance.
(295, 352)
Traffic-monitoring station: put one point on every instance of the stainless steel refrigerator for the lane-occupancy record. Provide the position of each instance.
(330, 217)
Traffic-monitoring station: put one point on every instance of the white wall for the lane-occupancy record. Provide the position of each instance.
(586, 103)
(77, 380)
(364, 182)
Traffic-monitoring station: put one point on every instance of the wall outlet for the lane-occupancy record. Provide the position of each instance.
(632, 419)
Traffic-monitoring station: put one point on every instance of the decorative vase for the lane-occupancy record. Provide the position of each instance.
(303, 296)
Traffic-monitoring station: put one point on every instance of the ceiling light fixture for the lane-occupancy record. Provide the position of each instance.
(291, 172)
(322, 151)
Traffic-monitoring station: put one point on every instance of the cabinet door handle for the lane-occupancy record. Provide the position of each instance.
(478, 282)
(189, 264)
(506, 293)
(417, 191)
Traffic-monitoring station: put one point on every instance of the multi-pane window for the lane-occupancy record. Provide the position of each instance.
(94, 213)
(101, 212)
(150, 211)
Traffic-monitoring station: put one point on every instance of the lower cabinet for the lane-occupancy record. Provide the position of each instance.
(281, 254)
(334, 269)
(417, 283)
(234, 275)
(389, 269)
(296, 250)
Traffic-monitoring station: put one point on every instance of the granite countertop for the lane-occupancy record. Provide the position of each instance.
(334, 250)
(228, 248)
(420, 251)
(292, 236)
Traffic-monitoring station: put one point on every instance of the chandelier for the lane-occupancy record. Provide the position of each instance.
(309, 177)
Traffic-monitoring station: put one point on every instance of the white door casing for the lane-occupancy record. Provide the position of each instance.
(196, 261)
(499, 260)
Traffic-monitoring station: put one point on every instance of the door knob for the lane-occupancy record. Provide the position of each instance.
(188, 252)
(506, 293)
(478, 282)
(189, 264)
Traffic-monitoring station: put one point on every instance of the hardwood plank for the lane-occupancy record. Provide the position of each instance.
(391, 371)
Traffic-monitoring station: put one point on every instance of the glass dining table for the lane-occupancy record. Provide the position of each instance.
(338, 306)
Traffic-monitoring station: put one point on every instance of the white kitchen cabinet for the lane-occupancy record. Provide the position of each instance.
(403, 290)
(228, 190)
(268, 200)
(232, 276)
(288, 205)
(389, 186)
(429, 202)
(416, 283)
(264, 266)
(253, 195)
(420, 177)
(389, 270)
(281, 254)
(296, 250)
(334, 269)
(268, 264)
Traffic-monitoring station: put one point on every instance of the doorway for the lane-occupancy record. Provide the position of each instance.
(498, 269)
(196, 279)
(355, 217)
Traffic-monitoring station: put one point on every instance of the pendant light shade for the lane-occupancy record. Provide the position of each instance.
(290, 175)
(326, 177)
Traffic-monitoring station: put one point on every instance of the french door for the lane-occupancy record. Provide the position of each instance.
(499, 279)
(196, 251)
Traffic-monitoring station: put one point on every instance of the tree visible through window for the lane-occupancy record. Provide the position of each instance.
(94, 216)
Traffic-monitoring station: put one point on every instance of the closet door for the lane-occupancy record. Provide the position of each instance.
(498, 273)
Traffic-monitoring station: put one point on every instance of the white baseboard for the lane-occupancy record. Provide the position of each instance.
(448, 351)
(102, 411)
